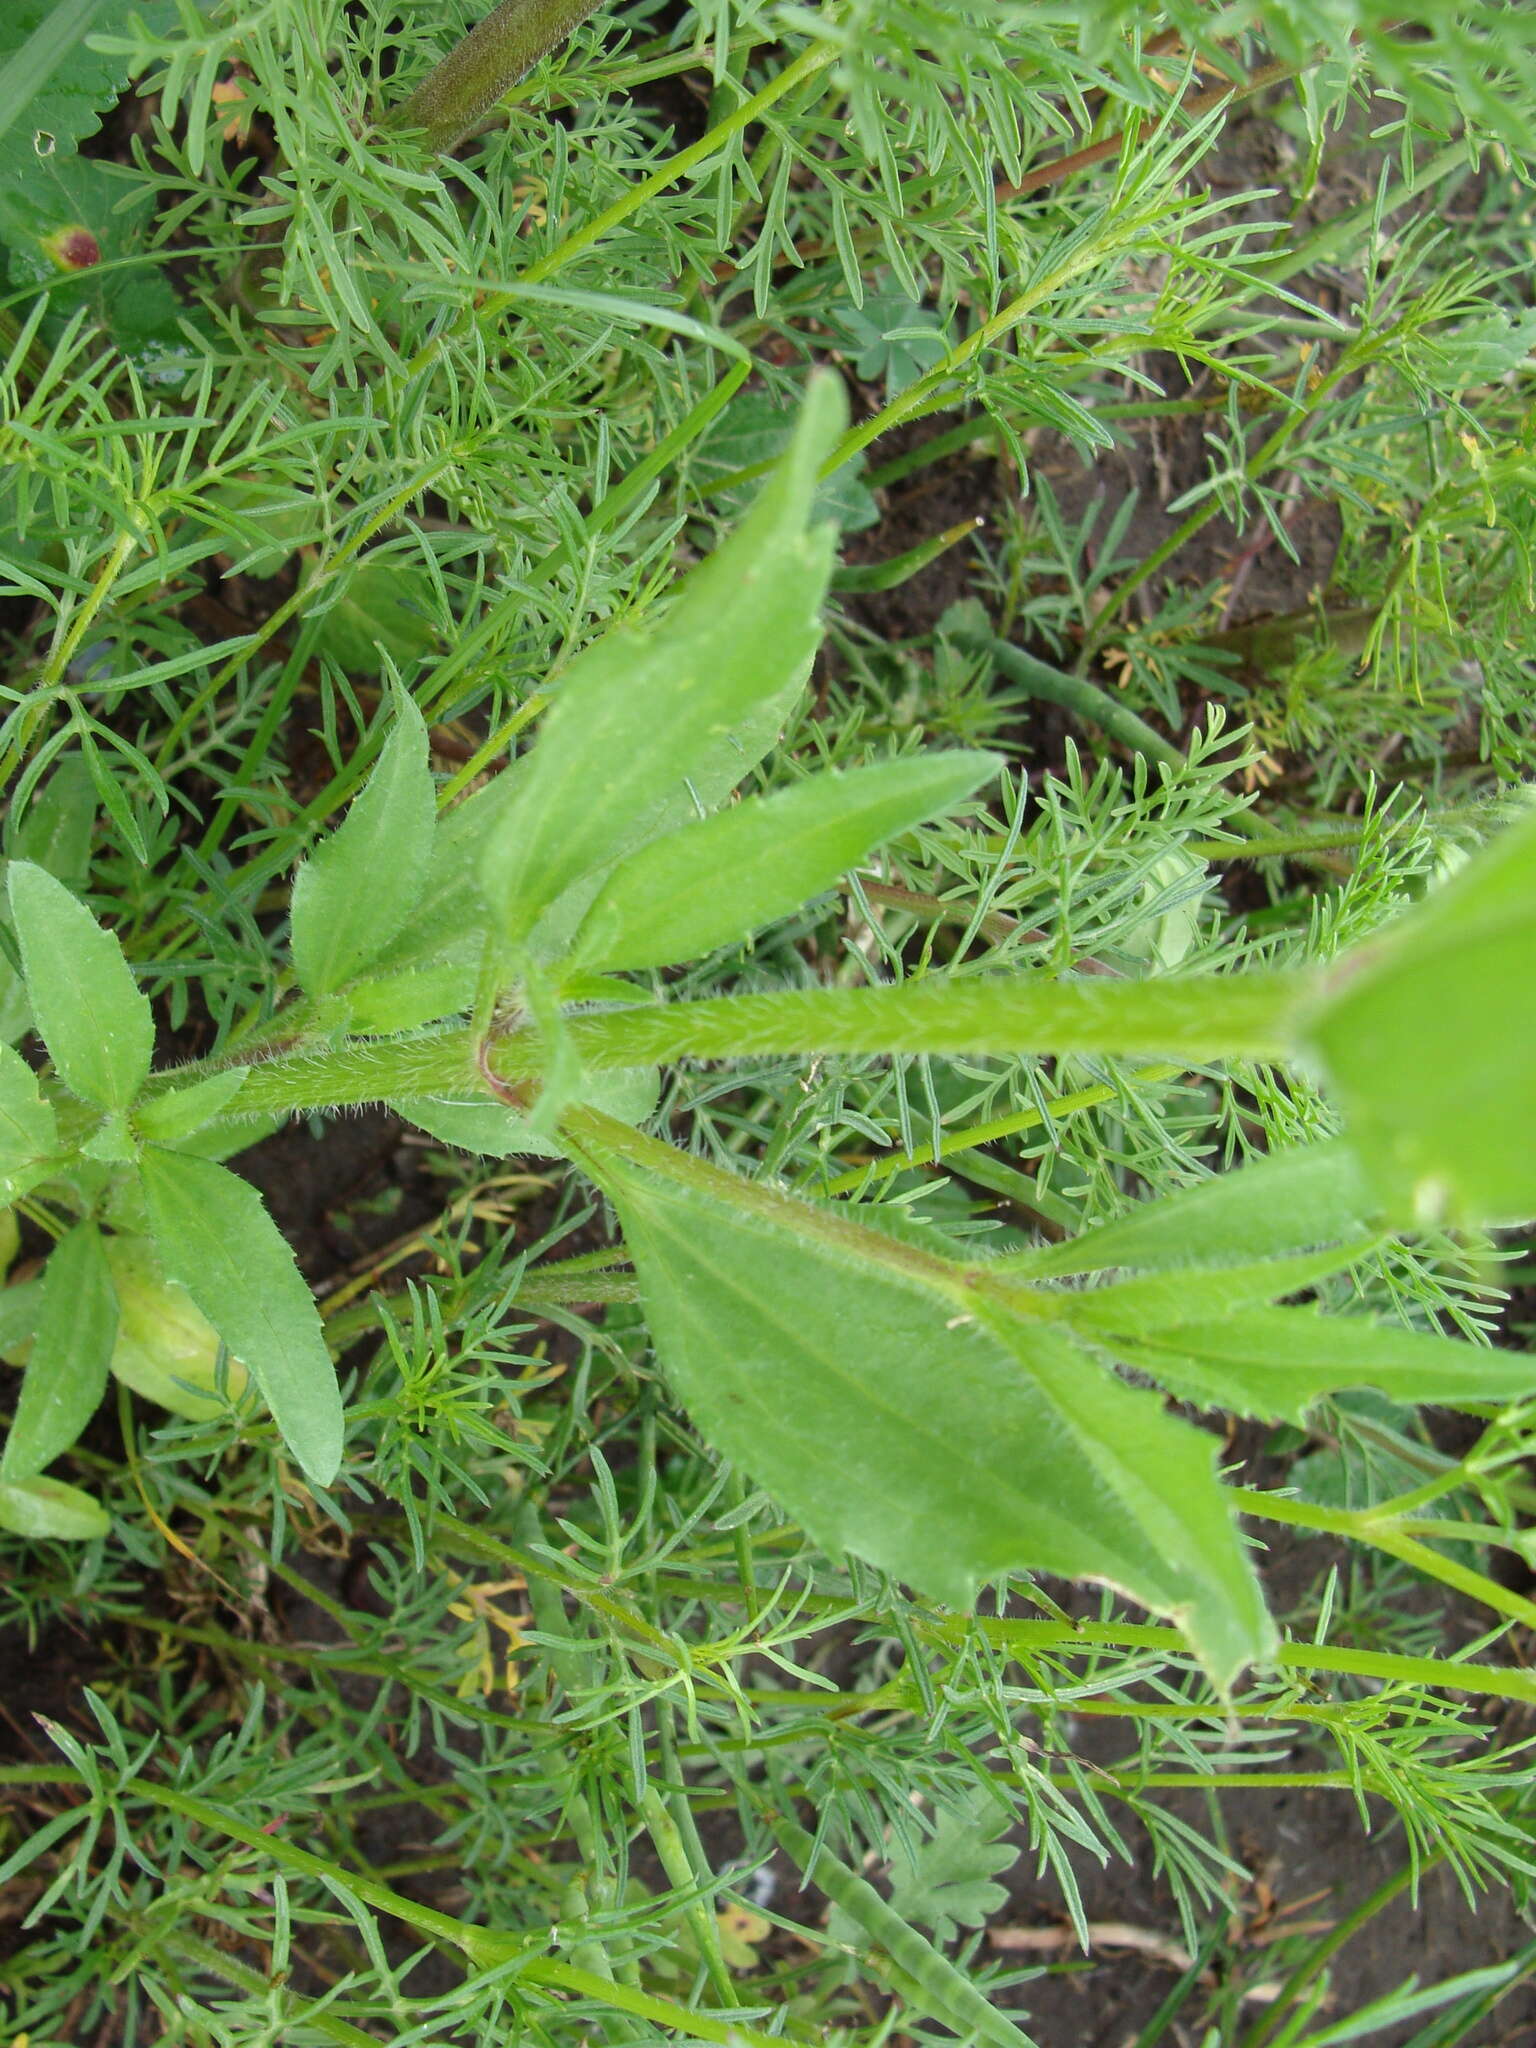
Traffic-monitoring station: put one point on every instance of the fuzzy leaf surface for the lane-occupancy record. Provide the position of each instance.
(66, 1374)
(357, 890)
(1152, 1301)
(28, 1128)
(216, 1239)
(91, 1013)
(431, 969)
(638, 709)
(898, 1414)
(1425, 1035)
(1275, 1362)
(170, 1118)
(493, 1129)
(725, 876)
(1312, 1195)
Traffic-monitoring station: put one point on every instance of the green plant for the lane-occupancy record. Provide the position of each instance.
(979, 1432)
(402, 478)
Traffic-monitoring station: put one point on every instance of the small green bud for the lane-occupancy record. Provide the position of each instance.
(163, 1336)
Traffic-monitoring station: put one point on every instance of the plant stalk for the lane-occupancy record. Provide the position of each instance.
(496, 53)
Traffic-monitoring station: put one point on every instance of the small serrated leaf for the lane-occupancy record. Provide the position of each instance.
(948, 1881)
(177, 1115)
(28, 1128)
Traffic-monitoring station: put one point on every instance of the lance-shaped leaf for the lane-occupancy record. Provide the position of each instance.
(56, 829)
(28, 1130)
(1426, 1037)
(433, 967)
(91, 1013)
(216, 1239)
(355, 893)
(1152, 1301)
(66, 1374)
(1275, 1362)
(640, 707)
(900, 1409)
(182, 1112)
(725, 876)
(39, 1508)
(1311, 1195)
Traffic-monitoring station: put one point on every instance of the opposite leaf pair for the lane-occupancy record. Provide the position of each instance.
(211, 1232)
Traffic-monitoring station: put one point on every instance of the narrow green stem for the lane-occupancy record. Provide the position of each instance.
(362, 1071)
(667, 1839)
(1317, 1957)
(1075, 693)
(985, 1134)
(819, 57)
(1253, 1015)
(1098, 707)
(483, 1947)
(1365, 1525)
(490, 60)
(1026, 1639)
(304, 2014)
(1280, 845)
(1105, 625)
(299, 600)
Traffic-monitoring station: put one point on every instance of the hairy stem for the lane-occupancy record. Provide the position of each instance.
(490, 60)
